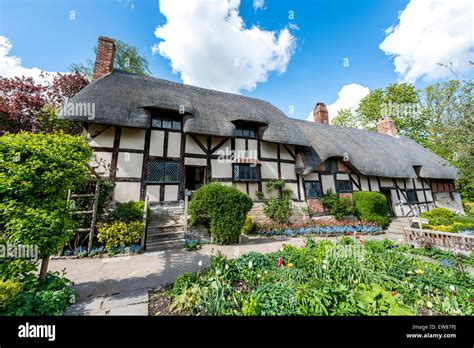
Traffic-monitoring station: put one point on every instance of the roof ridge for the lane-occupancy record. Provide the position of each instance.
(179, 84)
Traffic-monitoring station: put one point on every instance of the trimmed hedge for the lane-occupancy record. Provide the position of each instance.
(371, 207)
(128, 211)
(222, 208)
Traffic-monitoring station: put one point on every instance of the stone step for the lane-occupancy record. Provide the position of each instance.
(165, 237)
(165, 245)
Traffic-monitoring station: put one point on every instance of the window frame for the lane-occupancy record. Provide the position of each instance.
(332, 161)
(161, 182)
(321, 193)
(246, 165)
(411, 191)
(349, 190)
(241, 128)
(167, 118)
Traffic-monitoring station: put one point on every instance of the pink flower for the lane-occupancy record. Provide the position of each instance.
(280, 262)
(357, 237)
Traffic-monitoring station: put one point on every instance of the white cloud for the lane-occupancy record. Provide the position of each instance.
(348, 97)
(431, 32)
(258, 4)
(209, 46)
(10, 66)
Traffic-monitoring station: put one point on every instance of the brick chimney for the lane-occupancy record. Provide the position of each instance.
(104, 58)
(320, 113)
(386, 126)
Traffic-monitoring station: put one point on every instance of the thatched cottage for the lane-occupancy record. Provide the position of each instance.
(160, 138)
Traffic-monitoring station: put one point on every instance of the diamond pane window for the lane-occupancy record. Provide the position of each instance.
(343, 186)
(163, 172)
(246, 172)
(411, 196)
(313, 189)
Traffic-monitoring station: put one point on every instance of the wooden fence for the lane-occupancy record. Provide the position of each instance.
(445, 240)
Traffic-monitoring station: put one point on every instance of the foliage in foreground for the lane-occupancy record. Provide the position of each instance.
(222, 208)
(325, 278)
(33, 297)
(120, 233)
(337, 206)
(278, 207)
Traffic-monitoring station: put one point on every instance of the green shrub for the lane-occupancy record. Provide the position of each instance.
(337, 206)
(440, 228)
(248, 226)
(270, 299)
(464, 219)
(191, 245)
(120, 233)
(459, 227)
(438, 216)
(222, 208)
(128, 212)
(278, 208)
(371, 207)
(8, 291)
(183, 282)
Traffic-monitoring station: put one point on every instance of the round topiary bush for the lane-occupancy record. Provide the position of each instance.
(222, 208)
(371, 207)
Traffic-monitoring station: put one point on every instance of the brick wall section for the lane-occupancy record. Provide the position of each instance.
(104, 59)
(315, 206)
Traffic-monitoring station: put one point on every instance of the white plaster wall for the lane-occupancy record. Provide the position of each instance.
(386, 182)
(284, 153)
(153, 192)
(268, 150)
(216, 141)
(328, 183)
(429, 196)
(374, 184)
(156, 143)
(192, 147)
(342, 176)
(418, 183)
(421, 197)
(189, 161)
(241, 187)
(129, 165)
(253, 145)
(409, 183)
(240, 144)
(294, 188)
(269, 170)
(127, 191)
(105, 139)
(132, 138)
(174, 144)
(253, 187)
(354, 187)
(288, 171)
(364, 183)
(221, 170)
(171, 192)
(102, 163)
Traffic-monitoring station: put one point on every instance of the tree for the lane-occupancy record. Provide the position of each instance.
(127, 58)
(346, 118)
(27, 105)
(36, 171)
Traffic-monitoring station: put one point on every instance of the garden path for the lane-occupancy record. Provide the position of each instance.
(119, 285)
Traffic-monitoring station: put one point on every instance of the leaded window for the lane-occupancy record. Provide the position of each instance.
(163, 172)
(411, 196)
(313, 189)
(331, 165)
(246, 172)
(166, 122)
(343, 186)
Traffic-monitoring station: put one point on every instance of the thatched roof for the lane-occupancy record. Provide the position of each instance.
(371, 153)
(121, 99)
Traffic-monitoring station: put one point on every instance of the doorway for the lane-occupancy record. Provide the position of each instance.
(388, 195)
(194, 177)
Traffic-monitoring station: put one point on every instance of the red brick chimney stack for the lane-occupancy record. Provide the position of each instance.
(320, 113)
(104, 58)
(386, 126)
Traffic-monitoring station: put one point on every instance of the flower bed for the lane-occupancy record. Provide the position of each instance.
(350, 277)
(327, 227)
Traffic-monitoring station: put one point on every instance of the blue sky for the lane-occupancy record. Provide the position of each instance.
(324, 35)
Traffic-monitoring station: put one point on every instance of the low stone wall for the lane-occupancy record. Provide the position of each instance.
(199, 233)
(257, 215)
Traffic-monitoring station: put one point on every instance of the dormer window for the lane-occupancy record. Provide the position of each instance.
(331, 165)
(246, 130)
(163, 119)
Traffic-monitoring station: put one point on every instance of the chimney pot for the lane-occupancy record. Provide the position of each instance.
(104, 59)
(320, 113)
(387, 126)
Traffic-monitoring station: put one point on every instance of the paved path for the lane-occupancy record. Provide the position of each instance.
(119, 285)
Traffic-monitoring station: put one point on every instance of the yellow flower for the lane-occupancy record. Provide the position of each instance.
(356, 281)
(410, 272)
(419, 271)
(290, 265)
(420, 302)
